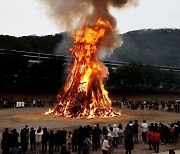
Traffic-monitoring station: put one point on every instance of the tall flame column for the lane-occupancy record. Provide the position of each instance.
(84, 94)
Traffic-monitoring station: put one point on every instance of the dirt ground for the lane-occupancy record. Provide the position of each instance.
(34, 117)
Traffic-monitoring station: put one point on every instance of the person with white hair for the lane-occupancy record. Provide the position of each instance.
(115, 135)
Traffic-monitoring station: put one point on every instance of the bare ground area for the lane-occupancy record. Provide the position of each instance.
(34, 117)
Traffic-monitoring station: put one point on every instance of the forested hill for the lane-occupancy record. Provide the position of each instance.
(32, 43)
(154, 47)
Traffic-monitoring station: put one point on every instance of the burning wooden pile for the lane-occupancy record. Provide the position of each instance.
(84, 95)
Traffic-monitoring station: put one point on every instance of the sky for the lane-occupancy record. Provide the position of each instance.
(28, 17)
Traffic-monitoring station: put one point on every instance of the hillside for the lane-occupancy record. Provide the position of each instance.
(154, 47)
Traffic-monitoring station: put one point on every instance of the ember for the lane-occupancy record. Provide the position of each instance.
(84, 95)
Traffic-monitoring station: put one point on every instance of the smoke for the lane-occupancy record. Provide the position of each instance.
(70, 14)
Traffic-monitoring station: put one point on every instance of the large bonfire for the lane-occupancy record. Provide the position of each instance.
(84, 94)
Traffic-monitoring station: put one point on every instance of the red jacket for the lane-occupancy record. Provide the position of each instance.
(156, 137)
(150, 135)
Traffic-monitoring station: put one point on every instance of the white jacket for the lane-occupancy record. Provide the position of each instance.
(115, 132)
(144, 127)
(105, 145)
(39, 136)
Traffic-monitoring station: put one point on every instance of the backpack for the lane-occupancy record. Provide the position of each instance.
(86, 144)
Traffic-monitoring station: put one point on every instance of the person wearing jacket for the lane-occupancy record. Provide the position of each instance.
(150, 138)
(105, 146)
(115, 135)
(144, 127)
(32, 139)
(128, 140)
(38, 136)
(5, 145)
(45, 139)
(156, 141)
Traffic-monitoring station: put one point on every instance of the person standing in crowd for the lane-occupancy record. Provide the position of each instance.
(105, 146)
(63, 137)
(144, 127)
(120, 135)
(150, 138)
(110, 140)
(95, 139)
(23, 141)
(26, 129)
(38, 134)
(5, 145)
(51, 142)
(14, 138)
(26, 133)
(171, 133)
(135, 132)
(104, 133)
(115, 135)
(176, 131)
(34, 103)
(128, 140)
(98, 136)
(156, 141)
(45, 139)
(14, 144)
(75, 141)
(131, 127)
(80, 139)
(69, 141)
(57, 140)
(32, 139)
(88, 131)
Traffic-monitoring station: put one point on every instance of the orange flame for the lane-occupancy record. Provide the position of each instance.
(84, 95)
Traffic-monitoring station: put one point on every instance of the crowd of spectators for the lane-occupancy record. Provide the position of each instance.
(171, 106)
(90, 138)
(24, 102)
